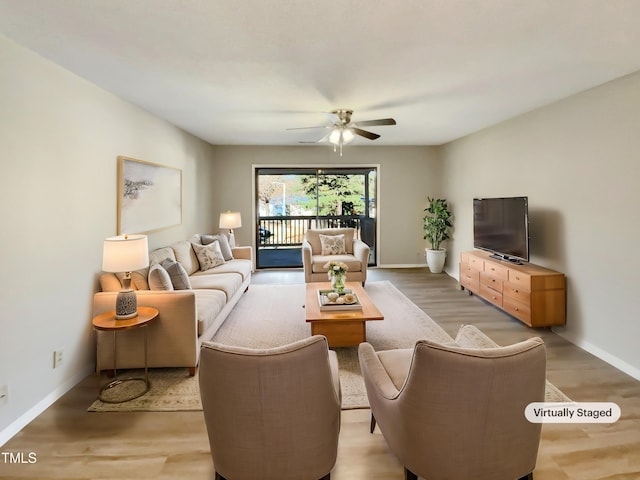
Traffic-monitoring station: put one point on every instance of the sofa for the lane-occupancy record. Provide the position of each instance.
(320, 246)
(194, 284)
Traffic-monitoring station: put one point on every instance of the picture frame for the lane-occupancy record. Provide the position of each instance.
(149, 196)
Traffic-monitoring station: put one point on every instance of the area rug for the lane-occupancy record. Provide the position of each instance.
(273, 315)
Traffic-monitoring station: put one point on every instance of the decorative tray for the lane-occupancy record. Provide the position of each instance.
(345, 301)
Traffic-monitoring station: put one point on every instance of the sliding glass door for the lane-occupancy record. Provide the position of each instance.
(290, 201)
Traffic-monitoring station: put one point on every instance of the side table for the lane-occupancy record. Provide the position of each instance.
(107, 322)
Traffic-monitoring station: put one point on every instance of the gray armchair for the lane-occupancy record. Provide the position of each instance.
(355, 255)
(271, 413)
(451, 412)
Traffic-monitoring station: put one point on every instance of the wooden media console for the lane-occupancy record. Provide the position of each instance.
(534, 295)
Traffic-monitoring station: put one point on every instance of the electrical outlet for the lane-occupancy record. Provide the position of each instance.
(57, 358)
(4, 394)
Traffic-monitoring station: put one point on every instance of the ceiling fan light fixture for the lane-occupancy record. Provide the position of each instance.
(343, 132)
(341, 135)
(347, 135)
(335, 136)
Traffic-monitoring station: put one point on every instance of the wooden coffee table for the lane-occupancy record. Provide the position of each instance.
(343, 328)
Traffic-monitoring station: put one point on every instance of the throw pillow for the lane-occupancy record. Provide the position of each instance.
(177, 274)
(159, 278)
(185, 256)
(209, 256)
(225, 248)
(332, 244)
(159, 254)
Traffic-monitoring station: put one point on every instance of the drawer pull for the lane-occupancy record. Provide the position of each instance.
(515, 290)
(515, 308)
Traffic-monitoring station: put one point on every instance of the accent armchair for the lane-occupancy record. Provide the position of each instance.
(451, 412)
(334, 244)
(271, 413)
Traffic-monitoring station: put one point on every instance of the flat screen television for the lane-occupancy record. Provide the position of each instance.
(501, 226)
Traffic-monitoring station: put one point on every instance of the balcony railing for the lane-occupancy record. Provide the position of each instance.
(288, 231)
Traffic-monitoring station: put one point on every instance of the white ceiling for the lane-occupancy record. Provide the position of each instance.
(243, 71)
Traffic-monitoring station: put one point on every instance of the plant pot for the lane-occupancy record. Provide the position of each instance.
(435, 259)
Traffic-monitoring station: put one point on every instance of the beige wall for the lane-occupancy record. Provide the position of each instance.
(407, 176)
(577, 161)
(60, 139)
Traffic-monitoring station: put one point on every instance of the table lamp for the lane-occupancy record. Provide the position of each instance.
(230, 220)
(124, 254)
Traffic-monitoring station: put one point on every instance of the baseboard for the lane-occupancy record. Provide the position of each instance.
(402, 265)
(22, 421)
(601, 354)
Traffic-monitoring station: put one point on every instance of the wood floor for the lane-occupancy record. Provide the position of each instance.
(69, 443)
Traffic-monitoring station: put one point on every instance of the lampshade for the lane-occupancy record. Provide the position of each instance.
(125, 253)
(230, 220)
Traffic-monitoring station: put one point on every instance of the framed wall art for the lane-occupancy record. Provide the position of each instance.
(149, 196)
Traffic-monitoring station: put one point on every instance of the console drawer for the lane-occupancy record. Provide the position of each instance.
(469, 278)
(496, 270)
(516, 292)
(519, 279)
(519, 310)
(475, 263)
(491, 281)
(491, 295)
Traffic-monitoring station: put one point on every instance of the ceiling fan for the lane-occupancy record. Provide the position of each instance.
(344, 131)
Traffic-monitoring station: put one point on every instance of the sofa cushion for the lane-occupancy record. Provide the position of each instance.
(225, 248)
(160, 254)
(229, 283)
(313, 237)
(185, 256)
(109, 282)
(177, 274)
(332, 244)
(209, 303)
(318, 263)
(240, 266)
(209, 256)
(159, 278)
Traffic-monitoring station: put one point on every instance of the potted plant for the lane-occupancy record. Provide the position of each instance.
(436, 230)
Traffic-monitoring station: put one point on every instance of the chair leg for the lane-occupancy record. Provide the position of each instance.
(372, 425)
(409, 475)
(529, 476)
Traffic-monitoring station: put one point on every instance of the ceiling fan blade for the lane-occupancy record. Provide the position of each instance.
(364, 133)
(323, 139)
(332, 117)
(306, 128)
(371, 123)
